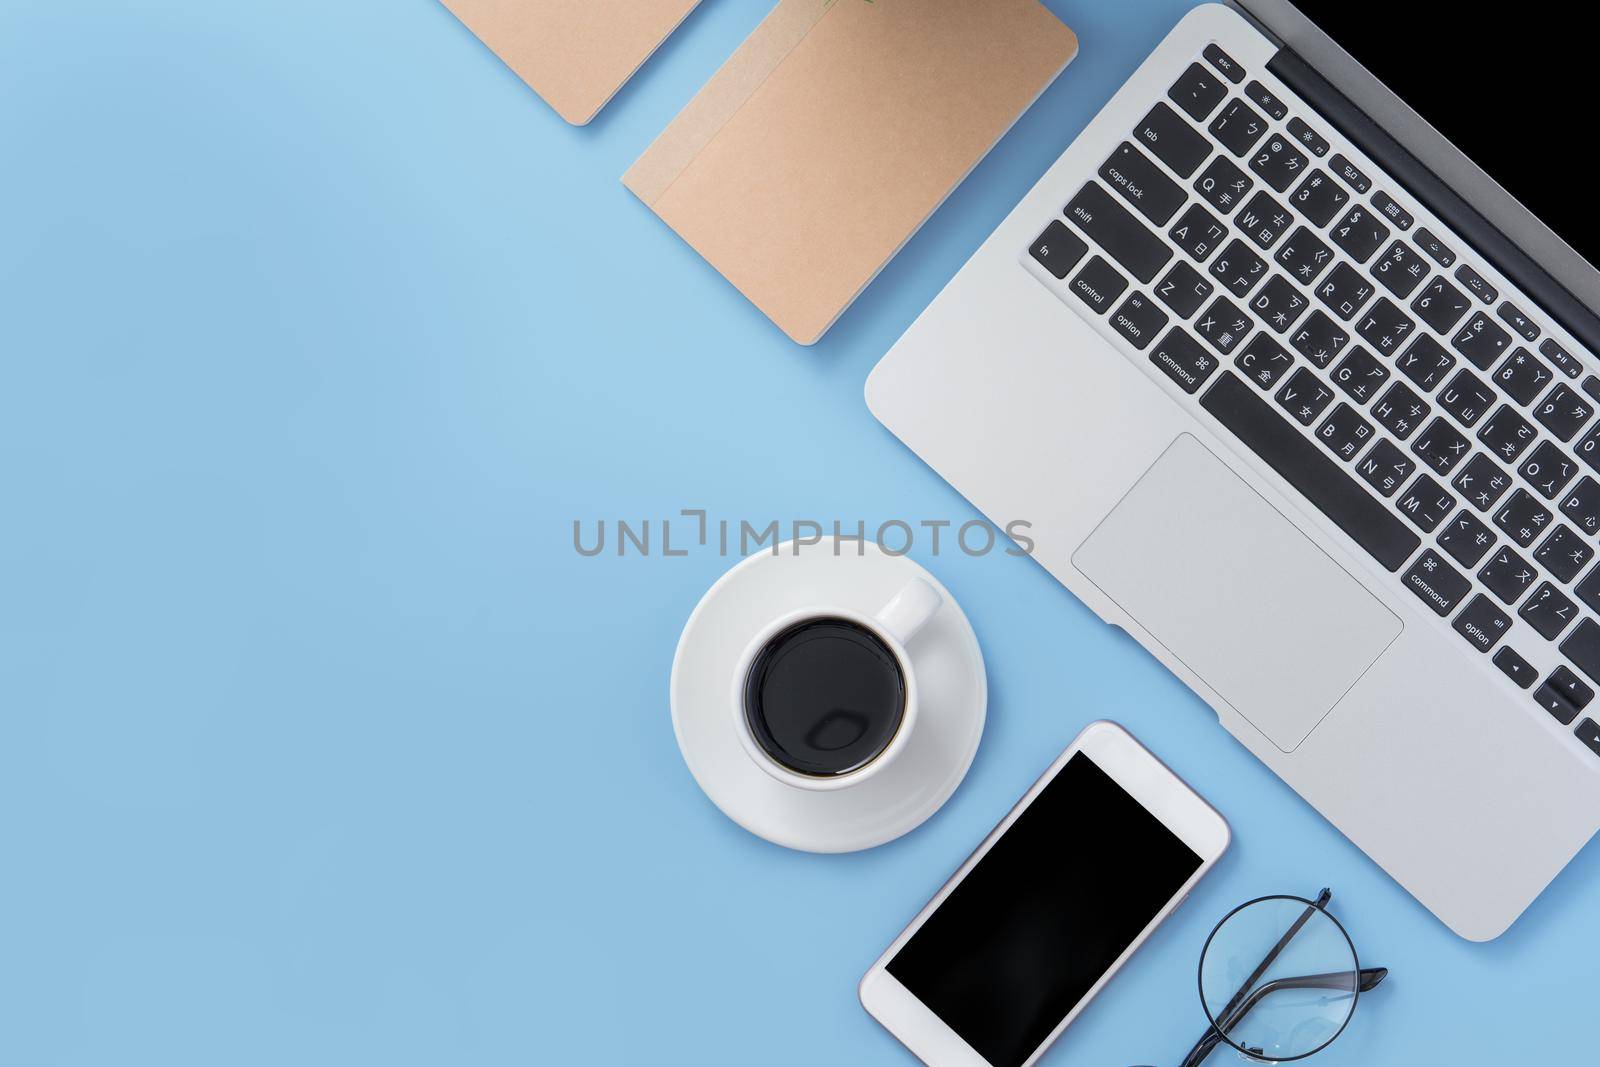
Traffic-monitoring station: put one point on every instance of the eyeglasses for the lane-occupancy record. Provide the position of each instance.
(1279, 980)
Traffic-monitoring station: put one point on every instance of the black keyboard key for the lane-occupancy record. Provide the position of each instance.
(1263, 361)
(1507, 575)
(1477, 284)
(1441, 446)
(1588, 590)
(1279, 304)
(1311, 139)
(1225, 63)
(1513, 317)
(1548, 698)
(1311, 471)
(1481, 482)
(1513, 666)
(1223, 185)
(1400, 410)
(1391, 210)
(1564, 554)
(1319, 339)
(1385, 327)
(1183, 360)
(1349, 173)
(1507, 434)
(1581, 505)
(1174, 142)
(1548, 469)
(1436, 583)
(1198, 92)
(1435, 248)
(1523, 518)
(1426, 503)
(1318, 198)
(1591, 385)
(1058, 249)
(1582, 647)
(1359, 234)
(1564, 361)
(1425, 362)
(1522, 376)
(1238, 269)
(1198, 232)
(1441, 305)
(1481, 341)
(1116, 229)
(1466, 539)
(1481, 623)
(1143, 184)
(1262, 98)
(1548, 611)
(1097, 285)
(1304, 396)
(1279, 163)
(1360, 374)
(1344, 432)
(1183, 289)
(1588, 732)
(1139, 319)
(1400, 269)
(1385, 467)
(1588, 448)
(1466, 397)
(1344, 291)
(1304, 256)
(1238, 127)
(1563, 412)
(1574, 688)
(1223, 325)
(1263, 220)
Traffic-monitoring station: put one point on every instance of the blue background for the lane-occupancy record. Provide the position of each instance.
(321, 745)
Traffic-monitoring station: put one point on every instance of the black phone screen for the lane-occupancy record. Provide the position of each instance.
(1044, 914)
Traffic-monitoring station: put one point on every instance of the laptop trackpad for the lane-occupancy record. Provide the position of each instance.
(1234, 590)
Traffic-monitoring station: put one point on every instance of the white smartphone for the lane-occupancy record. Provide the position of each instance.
(1094, 856)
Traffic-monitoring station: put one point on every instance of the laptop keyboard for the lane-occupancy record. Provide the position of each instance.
(1361, 357)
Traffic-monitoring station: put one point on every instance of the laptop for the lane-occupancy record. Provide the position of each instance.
(1297, 385)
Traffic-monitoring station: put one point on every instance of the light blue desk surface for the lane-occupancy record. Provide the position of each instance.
(319, 744)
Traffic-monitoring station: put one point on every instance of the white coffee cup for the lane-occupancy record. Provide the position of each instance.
(895, 625)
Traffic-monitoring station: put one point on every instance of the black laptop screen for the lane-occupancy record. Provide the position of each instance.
(1505, 85)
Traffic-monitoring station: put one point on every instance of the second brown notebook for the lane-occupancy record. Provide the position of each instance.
(833, 133)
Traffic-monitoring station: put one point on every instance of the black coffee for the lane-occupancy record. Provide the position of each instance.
(824, 697)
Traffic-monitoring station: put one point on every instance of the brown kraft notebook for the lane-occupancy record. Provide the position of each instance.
(575, 54)
(834, 131)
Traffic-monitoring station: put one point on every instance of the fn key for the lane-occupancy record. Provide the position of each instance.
(1058, 249)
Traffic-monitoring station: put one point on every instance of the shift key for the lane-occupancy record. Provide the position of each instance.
(1115, 229)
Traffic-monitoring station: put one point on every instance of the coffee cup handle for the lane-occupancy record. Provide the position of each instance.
(909, 610)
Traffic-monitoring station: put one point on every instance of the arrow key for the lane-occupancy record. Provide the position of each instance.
(1589, 734)
(1570, 686)
(1513, 666)
(1550, 699)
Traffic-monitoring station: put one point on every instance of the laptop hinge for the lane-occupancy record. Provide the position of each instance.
(1421, 183)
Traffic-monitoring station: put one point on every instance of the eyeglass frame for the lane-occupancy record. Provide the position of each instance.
(1241, 1003)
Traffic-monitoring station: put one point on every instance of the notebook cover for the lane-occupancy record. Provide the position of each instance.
(833, 133)
(575, 54)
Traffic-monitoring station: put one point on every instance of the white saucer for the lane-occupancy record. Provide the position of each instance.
(950, 675)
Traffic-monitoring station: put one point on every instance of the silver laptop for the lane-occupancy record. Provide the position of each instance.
(1305, 399)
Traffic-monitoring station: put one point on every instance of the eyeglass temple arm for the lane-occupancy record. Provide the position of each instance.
(1272, 956)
